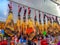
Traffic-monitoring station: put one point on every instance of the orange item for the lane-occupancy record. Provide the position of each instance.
(29, 30)
(35, 40)
(12, 43)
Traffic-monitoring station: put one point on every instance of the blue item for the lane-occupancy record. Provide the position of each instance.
(22, 40)
(2, 31)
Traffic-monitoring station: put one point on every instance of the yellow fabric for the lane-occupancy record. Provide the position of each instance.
(24, 25)
(18, 23)
(55, 25)
(41, 27)
(37, 24)
(9, 33)
(30, 23)
(49, 24)
(10, 17)
(1, 35)
(45, 26)
(12, 28)
(0, 26)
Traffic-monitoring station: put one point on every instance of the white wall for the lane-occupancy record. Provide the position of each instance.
(46, 6)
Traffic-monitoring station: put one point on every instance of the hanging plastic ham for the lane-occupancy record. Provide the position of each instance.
(36, 23)
(9, 26)
(19, 21)
(30, 26)
(24, 24)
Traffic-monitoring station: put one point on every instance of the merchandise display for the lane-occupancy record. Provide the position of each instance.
(39, 30)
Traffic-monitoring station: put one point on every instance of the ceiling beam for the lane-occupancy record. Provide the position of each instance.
(55, 2)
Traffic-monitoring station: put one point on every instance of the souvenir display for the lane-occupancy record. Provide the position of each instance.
(39, 28)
